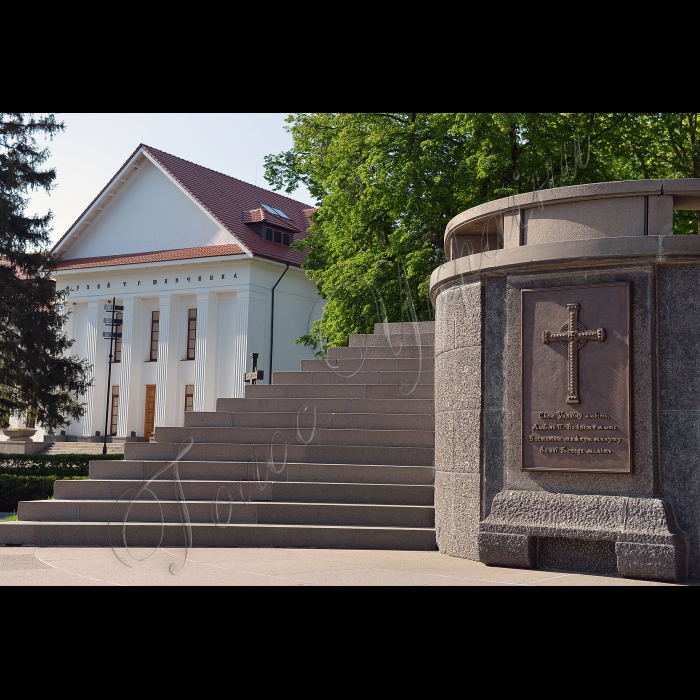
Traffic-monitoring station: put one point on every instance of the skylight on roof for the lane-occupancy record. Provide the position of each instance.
(273, 210)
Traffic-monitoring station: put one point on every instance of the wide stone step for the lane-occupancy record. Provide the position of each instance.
(407, 327)
(332, 405)
(223, 491)
(281, 452)
(405, 379)
(61, 534)
(410, 390)
(261, 472)
(338, 455)
(267, 513)
(305, 433)
(306, 419)
(348, 368)
(381, 352)
(395, 340)
(82, 448)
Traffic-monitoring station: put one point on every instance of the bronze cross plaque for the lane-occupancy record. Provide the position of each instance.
(576, 379)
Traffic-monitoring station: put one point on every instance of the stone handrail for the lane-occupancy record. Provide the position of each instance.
(596, 251)
(648, 212)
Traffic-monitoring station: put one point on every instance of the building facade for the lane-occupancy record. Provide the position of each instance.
(202, 265)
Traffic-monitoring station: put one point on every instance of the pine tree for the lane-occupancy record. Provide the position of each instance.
(39, 380)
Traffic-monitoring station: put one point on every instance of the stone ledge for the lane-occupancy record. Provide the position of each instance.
(472, 221)
(16, 447)
(580, 253)
(459, 225)
(648, 542)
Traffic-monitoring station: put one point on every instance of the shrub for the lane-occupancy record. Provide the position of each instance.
(45, 465)
(31, 477)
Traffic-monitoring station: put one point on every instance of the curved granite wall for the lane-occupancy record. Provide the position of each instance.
(645, 523)
(458, 408)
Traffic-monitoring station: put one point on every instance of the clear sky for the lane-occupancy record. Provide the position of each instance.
(94, 146)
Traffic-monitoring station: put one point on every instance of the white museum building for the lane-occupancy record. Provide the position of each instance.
(202, 264)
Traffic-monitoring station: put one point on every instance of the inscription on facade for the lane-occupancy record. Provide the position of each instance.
(576, 400)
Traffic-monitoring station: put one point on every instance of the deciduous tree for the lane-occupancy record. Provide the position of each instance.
(388, 184)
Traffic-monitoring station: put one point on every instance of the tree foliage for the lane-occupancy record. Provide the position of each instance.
(661, 146)
(387, 184)
(38, 378)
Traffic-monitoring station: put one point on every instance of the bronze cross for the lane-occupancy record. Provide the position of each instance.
(573, 335)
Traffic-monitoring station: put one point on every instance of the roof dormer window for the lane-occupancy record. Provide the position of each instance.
(277, 236)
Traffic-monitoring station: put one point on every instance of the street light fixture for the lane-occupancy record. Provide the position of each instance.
(112, 335)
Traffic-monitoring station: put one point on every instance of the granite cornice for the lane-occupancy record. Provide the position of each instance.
(483, 218)
(598, 251)
(556, 195)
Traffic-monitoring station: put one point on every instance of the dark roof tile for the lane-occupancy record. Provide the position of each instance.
(225, 198)
(209, 251)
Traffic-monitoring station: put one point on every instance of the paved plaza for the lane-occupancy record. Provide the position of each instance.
(101, 566)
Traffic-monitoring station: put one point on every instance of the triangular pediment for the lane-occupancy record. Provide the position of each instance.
(142, 209)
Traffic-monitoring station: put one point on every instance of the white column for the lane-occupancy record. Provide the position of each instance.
(70, 330)
(205, 386)
(175, 404)
(127, 331)
(259, 331)
(241, 347)
(69, 327)
(162, 373)
(91, 356)
(101, 393)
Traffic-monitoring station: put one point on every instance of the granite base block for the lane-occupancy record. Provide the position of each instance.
(658, 562)
(457, 514)
(642, 533)
(580, 556)
(15, 447)
(498, 549)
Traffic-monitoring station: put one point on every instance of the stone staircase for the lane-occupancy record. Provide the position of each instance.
(337, 455)
(82, 448)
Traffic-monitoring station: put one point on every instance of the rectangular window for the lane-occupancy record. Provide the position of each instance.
(268, 234)
(118, 341)
(115, 410)
(286, 239)
(155, 321)
(189, 397)
(278, 236)
(191, 333)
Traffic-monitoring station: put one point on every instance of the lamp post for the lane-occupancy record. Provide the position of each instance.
(112, 334)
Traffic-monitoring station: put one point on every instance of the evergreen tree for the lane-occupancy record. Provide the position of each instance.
(39, 380)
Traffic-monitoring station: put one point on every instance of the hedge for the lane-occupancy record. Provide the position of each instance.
(14, 489)
(44, 465)
(31, 477)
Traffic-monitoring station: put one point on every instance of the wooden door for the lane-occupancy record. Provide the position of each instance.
(150, 420)
(115, 410)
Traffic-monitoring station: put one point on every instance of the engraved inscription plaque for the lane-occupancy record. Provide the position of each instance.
(576, 379)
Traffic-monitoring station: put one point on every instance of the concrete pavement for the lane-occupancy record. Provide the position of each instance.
(102, 566)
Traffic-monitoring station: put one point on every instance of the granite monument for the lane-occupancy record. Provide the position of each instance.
(567, 382)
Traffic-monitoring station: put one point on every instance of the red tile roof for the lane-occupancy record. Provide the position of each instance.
(253, 215)
(209, 251)
(226, 199)
(257, 215)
